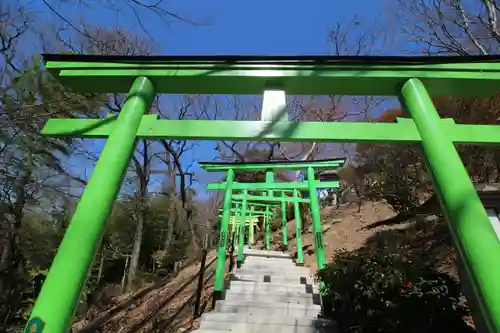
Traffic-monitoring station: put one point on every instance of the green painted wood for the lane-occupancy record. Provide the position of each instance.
(274, 186)
(152, 128)
(57, 300)
(475, 240)
(307, 77)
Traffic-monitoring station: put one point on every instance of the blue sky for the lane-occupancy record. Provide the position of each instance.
(277, 27)
(235, 27)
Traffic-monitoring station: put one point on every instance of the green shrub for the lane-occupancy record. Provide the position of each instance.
(383, 291)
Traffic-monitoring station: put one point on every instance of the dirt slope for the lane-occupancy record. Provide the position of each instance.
(166, 307)
(424, 235)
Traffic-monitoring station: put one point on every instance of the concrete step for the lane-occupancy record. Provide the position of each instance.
(266, 259)
(255, 308)
(274, 279)
(273, 297)
(237, 286)
(273, 283)
(273, 272)
(216, 331)
(248, 290)
(270, 305)
(270, 264)
(261, 272)
(257, 251)
(267, 254)
(255, 323)
(274, 267)
(269, 293)
(272, 293)
(273, 311)
(277, 283)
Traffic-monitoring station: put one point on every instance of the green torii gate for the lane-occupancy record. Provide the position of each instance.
(412, 79)
(298, 224)
(283, 199)
(297, 217)
(251, 222)
(271, 186)
(236, 219)
(267, 215)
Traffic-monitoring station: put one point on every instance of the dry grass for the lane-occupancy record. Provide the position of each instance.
(423, 235)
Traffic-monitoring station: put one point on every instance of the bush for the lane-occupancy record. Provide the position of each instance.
(383, 291)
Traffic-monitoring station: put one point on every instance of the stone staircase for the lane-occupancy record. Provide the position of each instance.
(268, 294)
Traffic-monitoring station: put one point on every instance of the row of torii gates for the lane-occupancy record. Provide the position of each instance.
(240, 203)
(411, 79)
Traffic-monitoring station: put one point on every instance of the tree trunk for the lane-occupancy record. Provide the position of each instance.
(136, 250)
(143, 173)
(170, 229)
(101, 265)
(306, 157)
(172, 205)
(124, 273)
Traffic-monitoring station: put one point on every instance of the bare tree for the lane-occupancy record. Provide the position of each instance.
(451, 27)
(191, 107)
(13, 25)
(30, 164)
(142, 12)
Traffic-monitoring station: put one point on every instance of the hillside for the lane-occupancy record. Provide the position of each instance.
(424, 235)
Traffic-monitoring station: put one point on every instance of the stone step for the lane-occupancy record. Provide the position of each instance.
(269, 281)
(272, 293)
(270, 305)
(267, 254)
(237, 286)
(217, 331)
(271, 265)
(274, 266)
(274, 279)
(265, 259)
(276, 269)
(276, 283)
(254, 308)
(249, 250)
(255, 323)
(274, 311)
(273, 272)
(273, 297)
(268, 294)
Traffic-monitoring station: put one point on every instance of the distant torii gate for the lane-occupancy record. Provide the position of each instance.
(250, 219)
(267, 215)
(235, 222)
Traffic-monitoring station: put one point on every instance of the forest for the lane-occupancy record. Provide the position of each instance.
(163, 215)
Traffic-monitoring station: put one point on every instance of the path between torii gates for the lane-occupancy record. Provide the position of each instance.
(270, 294)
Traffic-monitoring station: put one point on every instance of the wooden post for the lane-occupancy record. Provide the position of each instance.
(199, 290)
